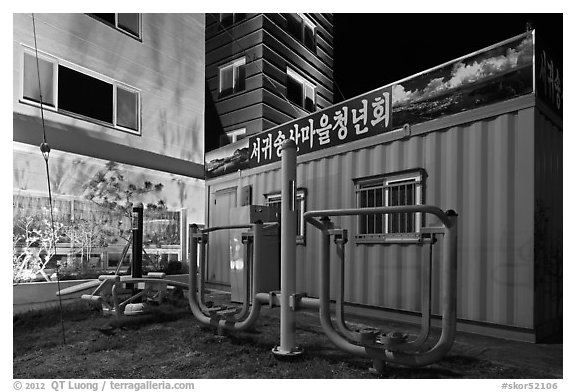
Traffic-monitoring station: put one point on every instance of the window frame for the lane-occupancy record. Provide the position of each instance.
(234, 19)
(233, 135)
(45, 57)
(57, 62)
(121, 29)
(235, 65)
(301, 197)
(305, 21)
(386, 182)
(290, 73)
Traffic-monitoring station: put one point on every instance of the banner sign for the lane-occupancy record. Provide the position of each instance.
(363, 116)
(549, 80)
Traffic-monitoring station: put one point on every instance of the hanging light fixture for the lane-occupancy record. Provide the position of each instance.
(45, 148)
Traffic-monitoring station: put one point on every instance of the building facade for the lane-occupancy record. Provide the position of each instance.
(263, 70)
(122, 88)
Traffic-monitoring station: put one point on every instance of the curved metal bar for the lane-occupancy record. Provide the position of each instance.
(216, 320)
(201, 236)
(340, 321)
(448, 290)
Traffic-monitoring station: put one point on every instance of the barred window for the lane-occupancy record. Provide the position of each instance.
(384, 191)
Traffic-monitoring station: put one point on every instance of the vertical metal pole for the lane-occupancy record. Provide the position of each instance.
(183, 235)
(192, 259)
(449, 273)
(137, 228)
(288, 219)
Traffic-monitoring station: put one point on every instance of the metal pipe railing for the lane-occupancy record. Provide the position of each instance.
(340, 240)
(215, 320)
(202, 237)
(393, 353)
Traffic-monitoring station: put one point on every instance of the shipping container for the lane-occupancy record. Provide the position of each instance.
(489, 148)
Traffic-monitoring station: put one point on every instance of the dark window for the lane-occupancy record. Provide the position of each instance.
(82, 94)
(300, 92)
(294, 25)
(109, 18)
(227, 20)
(302, 28)
(294, 90)
(31, 88)
(309, 39)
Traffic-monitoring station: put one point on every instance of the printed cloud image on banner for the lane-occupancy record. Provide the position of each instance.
(363, 116)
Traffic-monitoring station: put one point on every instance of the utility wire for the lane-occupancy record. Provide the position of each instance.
(45, 149)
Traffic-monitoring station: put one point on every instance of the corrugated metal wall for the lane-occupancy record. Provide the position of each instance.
(548, 223)
(484, 170)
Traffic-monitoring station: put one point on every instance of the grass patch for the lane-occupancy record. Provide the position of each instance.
(169, 343)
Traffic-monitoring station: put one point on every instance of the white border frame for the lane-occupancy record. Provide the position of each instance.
(139, 36)
(305, 83)
(235, 64)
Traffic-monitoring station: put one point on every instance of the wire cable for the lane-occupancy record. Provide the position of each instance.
(45, 149)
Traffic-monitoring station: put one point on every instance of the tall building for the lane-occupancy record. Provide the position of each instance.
(127, 88)
(263, 70)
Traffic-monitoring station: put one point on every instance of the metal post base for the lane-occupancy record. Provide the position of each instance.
(294, 353)
(378, 367)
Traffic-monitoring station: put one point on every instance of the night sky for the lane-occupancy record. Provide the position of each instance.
(372, 50)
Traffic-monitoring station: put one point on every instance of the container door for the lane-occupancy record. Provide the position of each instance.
(218, 270)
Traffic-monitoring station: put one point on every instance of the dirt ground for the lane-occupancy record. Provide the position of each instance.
(171, 344)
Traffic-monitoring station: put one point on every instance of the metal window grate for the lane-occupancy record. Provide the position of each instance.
(389, 192)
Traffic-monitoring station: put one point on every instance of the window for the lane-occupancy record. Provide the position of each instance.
(72, 90)
(235, 135)
(227, 20)
(128, 23)
(390, 190)
(232, 77)
(85, 95)
(303, 29)
(275, 200)
(300, 91)
(30, 88)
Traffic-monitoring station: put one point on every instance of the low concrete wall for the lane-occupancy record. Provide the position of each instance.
(39, 295)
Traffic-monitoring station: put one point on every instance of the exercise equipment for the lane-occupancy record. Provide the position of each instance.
(381, 348)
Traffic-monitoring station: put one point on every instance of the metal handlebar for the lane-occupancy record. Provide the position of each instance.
(386, 353)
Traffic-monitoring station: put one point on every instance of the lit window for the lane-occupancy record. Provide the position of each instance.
(128, 23)
(390, 190)
(232, 77)
(303, 29)
(300, 91)
(275, 200)
(72, 90)
(235, 135)
(227, 20)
